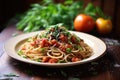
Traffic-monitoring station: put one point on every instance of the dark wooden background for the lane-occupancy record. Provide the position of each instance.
(8, 8)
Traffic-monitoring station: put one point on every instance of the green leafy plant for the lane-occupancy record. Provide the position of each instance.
(42, 15)
(47, 13)
(95, 11)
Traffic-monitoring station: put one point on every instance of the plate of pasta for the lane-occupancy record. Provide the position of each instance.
(55, 47)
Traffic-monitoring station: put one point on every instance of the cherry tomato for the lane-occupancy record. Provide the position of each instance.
(43, 43)
(104, 26)
(84, 23)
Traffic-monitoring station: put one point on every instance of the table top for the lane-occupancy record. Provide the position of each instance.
(105, 68)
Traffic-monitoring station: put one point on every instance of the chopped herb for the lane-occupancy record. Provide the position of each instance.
(69, 37)
(11, 75)
(66, 33)
(68, 50)
(38, 60)
(24, 56)
(29, 40)
(62, 61)
(77, 38)
(57, 37)
(80, 48)
(20, 52)
(42, 49)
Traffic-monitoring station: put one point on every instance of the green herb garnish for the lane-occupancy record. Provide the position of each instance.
(11, 75)
(20, 52)
(68, 50)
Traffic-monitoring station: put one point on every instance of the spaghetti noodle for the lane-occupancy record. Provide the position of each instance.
(56, 45)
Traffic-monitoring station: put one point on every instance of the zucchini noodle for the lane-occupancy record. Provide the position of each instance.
(55, 45)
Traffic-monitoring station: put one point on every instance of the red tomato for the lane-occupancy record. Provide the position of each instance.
(44, 43)
(53, 60)
(55, 42)
(84, 23)
(63, 38)
(74, 40)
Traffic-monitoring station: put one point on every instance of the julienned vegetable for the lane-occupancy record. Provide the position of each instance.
(41, 16)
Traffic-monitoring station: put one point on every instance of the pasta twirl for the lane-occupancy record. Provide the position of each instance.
(55, 45)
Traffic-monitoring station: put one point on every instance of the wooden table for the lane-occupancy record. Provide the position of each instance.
(104, 68)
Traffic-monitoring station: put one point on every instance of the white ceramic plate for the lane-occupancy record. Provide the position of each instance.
(12, 45)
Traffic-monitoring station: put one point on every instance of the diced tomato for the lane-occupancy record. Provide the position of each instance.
(23, 48)
(73, 39)
(43, 43)
(37, 41)
(53, 60)
(55, 42)
(75, 59)
(46, 45)
(33, 43)
(63, 38)
(68, 46)
(62, 48)
(45, 59)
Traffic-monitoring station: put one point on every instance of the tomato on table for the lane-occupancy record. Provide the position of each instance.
(84, 23)
(104, 26)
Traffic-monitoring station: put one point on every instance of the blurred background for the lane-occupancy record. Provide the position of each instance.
(9, 8)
